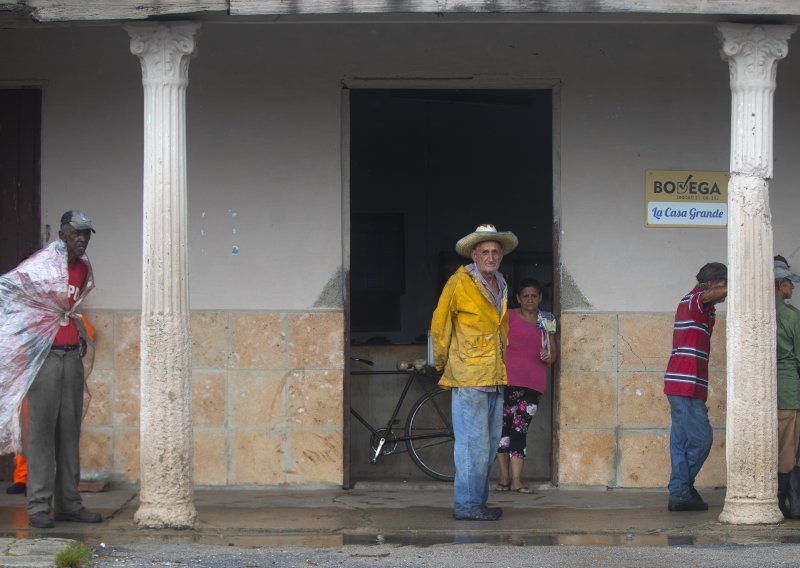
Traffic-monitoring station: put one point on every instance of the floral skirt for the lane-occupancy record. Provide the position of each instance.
(519, 408)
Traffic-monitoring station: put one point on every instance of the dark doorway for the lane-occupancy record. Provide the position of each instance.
(20, 209)
(426, 168)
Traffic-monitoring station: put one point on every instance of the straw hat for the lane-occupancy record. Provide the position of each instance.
(507, 240)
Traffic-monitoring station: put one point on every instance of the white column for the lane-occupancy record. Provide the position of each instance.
(167, 484)
(752, 53)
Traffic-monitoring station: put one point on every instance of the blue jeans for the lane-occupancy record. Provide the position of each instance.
(477, 422)
(689, 443)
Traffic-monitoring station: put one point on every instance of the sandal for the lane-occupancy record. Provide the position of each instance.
(502, 487)
(522, 489)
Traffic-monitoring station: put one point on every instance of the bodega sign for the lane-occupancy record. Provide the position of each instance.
(686, 199)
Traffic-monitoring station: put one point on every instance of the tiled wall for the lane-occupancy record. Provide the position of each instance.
(267, 398)
(613, 416)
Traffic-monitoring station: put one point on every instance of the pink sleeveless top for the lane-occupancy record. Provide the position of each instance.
(523, 365)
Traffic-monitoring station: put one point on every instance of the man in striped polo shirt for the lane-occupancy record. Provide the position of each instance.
(686, 385)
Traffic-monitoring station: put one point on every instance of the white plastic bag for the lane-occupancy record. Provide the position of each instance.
(34, 301)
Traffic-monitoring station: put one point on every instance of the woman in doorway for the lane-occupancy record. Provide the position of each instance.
(531, 348)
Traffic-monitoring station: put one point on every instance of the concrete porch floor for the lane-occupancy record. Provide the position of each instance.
(404, 513)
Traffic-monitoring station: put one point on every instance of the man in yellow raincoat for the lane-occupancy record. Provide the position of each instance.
(469, 333)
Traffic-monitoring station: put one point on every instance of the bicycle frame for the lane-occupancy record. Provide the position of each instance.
(412, 374)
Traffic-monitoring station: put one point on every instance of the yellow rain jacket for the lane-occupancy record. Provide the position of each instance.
(468, 335)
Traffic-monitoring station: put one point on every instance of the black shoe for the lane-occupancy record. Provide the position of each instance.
(80, 516)
(16, 489)
(688, 505)
(40, 521)
(483, 514)
(695, 495)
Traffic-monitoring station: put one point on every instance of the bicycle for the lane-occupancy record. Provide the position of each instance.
(428, 432)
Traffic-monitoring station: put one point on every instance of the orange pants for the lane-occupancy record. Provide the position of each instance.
(20, 470)
(20, 463)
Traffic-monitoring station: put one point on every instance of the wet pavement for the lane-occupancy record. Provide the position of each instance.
(403, 515)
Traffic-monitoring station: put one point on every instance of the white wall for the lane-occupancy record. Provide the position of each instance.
(264, 152)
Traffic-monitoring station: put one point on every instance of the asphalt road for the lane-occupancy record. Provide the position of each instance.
(447, 556)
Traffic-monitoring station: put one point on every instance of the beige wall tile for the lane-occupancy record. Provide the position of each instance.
(257, 398)
(717, 398)
(103, 323)
(317, 458)
(210, 458)
(316, 340)
(645, 342)
(126, 454)
(209, 340)
(642, 402)
(96, 449)
(586, 457)
(127, 333)
(285, 426)
(258, 458)
(209, 398)
(315, 399)
(587, 400)
(258, 341)
(644, 459)
(718, 344)
(126, 398)
(714, 473)
(588, 342)
(97, 394)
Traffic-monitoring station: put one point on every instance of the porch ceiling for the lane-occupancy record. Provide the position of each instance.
(17, 11)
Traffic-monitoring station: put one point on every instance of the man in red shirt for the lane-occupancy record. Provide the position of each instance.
(55, 402)
(686, 385)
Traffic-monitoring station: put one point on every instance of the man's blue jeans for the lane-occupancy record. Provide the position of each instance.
(477, 422)
(689, 443)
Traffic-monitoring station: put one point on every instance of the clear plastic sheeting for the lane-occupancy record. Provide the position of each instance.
(34, 303)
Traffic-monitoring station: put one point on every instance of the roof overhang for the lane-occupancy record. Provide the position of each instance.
(770, 11)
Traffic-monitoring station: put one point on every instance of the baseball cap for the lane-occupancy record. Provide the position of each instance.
(78, 219)
(782, 272)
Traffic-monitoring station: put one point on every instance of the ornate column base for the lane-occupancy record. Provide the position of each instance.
(168, 516)
(741, 511)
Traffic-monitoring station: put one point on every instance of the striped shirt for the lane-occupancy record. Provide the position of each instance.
(687, 370)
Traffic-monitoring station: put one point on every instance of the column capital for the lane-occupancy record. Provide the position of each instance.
(752, 51)
(164, 50)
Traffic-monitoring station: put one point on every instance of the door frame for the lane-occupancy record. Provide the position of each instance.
(470, 82)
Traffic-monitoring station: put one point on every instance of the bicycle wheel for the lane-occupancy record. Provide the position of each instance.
(429, 435)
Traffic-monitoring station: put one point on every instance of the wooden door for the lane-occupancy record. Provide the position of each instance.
(20, 148)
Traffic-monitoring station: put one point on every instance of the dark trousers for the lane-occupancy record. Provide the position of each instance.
(55, 404)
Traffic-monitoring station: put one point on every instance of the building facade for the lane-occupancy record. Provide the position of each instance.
(272, 134)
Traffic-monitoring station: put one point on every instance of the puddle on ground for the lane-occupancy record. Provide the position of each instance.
(410, 539)
(518, 539)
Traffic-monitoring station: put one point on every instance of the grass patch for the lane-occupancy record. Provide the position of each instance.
(75, 555)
